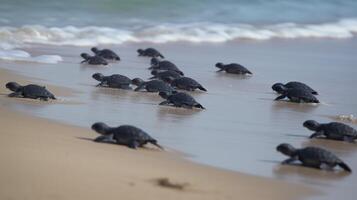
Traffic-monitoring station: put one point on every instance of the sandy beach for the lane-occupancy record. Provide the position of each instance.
(42, 159)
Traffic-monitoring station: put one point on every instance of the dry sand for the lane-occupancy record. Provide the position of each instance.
(41, 159)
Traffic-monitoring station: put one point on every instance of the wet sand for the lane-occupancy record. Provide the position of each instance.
(242, 125)
(42, 159)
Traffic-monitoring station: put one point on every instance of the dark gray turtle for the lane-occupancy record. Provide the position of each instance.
(185, 83)
(156, 64)
(180, 99)
(31, 91)
(311, 157)
(233, 68)
(128, 135)
(105, 53)
(293, 84)
(150, 52)
(113, 81)
(296, 95)
(152, 86)
(332, 130)
(93, 60)
(164, 75)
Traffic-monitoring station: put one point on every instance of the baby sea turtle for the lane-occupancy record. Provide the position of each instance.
(150, 52)
(128, 135)
(164, 75)
(93, 60)
(293, 84)
(185, 83)
(332, 130)
(233, 68)
(152, 86)
(113, 81)
(31, 91)
(312, 157)
(180, 99)
(105, 53)
(297, 95)
(164, 65)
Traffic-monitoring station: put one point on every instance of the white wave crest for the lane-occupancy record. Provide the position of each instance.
(193, 32)
(19, 55)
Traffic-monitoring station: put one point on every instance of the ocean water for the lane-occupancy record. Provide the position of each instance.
(94, 22)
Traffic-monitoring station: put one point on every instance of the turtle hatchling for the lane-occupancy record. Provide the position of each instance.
(233, 68)
(113, 81)
(296, 95)
(93, 60)
(150, 52)
(152, 86)
(185, 83)
(156, 64)
(312, 157)
(291, 85)
(105, 53)
(332, 130)
(128, 135)
(180, 99)
(164, 75)
(31, 91)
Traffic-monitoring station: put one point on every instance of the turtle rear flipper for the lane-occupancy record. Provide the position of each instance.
(199, 106)
(344, 166)
(154, 142)
(202, 88)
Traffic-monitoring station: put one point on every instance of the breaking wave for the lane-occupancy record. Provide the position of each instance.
(192, 32)
(19, 55)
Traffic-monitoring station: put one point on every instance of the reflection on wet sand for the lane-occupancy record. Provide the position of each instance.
(344, 148)
(298, 107)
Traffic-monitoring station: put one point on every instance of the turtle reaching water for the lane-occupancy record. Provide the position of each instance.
(113, 81)
(128, 135)
(293, 85)
(150, 52)
(31, 91)
(312, 157)
(180, 99)
(105, 53)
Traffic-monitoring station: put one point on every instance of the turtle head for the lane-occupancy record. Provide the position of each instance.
(154, 72)
(140, 51)
(277, 87)
(85, 55)
(94, 49)
(311, 125)
(13, 86)
(154, 61)
(98, 76)
(101, 128)
(286, 149)
(165, 95)
(137, 81)
(220, 65)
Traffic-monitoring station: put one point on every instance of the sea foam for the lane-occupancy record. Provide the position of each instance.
(169, 32)
(20, 55)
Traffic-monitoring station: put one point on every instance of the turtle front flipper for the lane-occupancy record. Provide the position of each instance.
(15, 94)
(289, 160)
(344, 166)
(154, 142)
(280, 97)
(104, 138)
(199, 106)
(317, 134)
(141, 86)
(125, 87)
(164, 103)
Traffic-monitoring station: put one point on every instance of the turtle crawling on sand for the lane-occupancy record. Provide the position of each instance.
(150, 52)
(296, 95)
(180, 99)
(185, 83)
(31, 91)
(291, 85)
(105, 53)
(93, 60)
(128, 135)
(233, 68)
(312, 157)
(332, 130)
(156, 64)
(152, 86)
(113, 81)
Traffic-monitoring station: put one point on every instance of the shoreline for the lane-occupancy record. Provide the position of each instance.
(44, 159)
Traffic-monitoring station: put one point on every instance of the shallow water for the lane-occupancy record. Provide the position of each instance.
(242, 124)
